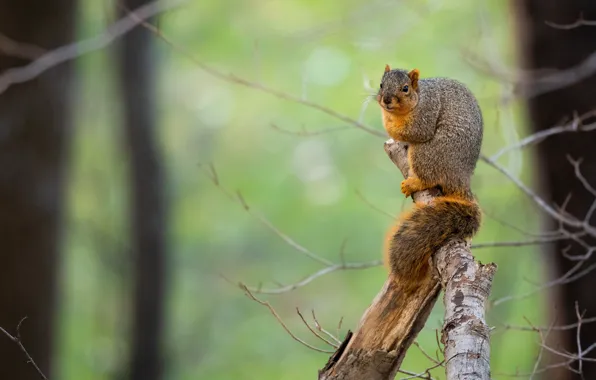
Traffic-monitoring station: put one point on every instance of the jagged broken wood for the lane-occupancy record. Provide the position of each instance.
(395, 317)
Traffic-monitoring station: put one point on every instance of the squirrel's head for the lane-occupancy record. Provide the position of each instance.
(398, 92)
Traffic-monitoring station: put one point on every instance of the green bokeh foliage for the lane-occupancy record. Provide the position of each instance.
(306, 186)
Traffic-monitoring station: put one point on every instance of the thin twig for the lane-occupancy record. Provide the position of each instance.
(17, 340)
(513, 227)
(529, 84)
(543, 337)
(291, 242)
(574, 126)
(334, 345)
(563, 218)
(426, 373)
(520, 243)
(576, 168)
(570, 326)
(566, 278)
(16, 49)
(578, 339)
(414, 375)
(433, 360)
(571, 275)
(581, 21)
(372, 206)
(231, 78)
(211, 173)
(307, 280)
(305, 133)
(278, 318)
(321, 329)
(341, 320)
(76, 49)
(330, 267)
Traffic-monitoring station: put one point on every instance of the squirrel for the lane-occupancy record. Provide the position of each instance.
(441, 122)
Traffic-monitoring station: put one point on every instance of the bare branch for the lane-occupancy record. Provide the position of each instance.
(278, 318)
(578, 338)
(213, 176)
(330, 267)
(561, 217)
(372, 206)
(574, 126)
(543, 338)
(571, 275)
(581, 21)
(321, 329)
(76, 49)
(317, 274)
(529, 84)
(422, 375)
(341, 319)
(334, 345)
(16, 49)
(17, 340)
(433, 360)
(576, 166)
(520, 243)
(570, 358)
(304, 133)
(513, 227)
(549, 328)
(231, 78)
(292, 243)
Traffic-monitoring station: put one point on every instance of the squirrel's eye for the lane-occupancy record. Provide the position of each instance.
(405, 88)
(381, 85)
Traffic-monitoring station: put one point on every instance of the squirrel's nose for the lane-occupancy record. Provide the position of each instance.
(387, 100)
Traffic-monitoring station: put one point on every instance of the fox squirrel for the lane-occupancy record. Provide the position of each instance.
(440, 120)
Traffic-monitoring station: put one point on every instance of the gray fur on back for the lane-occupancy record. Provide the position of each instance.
(459, 121)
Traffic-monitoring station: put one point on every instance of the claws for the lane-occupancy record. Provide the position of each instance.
(406, 187)
(411, 185)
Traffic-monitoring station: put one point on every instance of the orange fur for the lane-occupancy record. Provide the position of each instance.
(410, 243)
(411, 185)
(389, 236)
(393, 122)
(386, 245)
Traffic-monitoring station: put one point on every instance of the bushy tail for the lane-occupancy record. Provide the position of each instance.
(428, 227)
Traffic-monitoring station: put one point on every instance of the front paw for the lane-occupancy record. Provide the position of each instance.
(406, 187)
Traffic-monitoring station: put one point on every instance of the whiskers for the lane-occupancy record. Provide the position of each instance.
(369, 94)
(367, 99)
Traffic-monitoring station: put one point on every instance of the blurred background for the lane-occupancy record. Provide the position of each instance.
(120, 172)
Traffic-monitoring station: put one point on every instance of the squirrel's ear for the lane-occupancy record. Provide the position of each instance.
(387, 68)
(414, 74)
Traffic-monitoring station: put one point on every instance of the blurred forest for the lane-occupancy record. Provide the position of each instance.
(143, 239)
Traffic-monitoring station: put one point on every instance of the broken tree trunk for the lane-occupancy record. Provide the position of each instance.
(394, 319)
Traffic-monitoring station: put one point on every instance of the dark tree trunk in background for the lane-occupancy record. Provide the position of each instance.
(543, 46)
(137, 77)
(34, 129)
